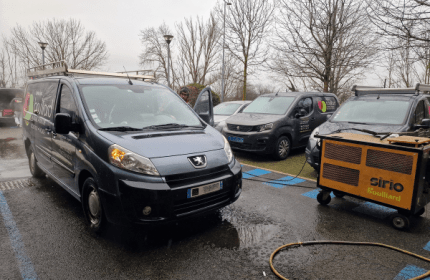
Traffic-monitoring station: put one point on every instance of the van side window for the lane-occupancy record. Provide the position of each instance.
(419, 113)
(306, 104)
(326, 104)
(44, 97)
(67, 104)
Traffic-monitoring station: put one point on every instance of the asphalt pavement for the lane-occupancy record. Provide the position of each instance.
(43, 234)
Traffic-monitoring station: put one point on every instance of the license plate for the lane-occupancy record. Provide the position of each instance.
(204, 189)
(235, 139)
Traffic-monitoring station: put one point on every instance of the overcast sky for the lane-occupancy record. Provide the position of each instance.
(117, 23)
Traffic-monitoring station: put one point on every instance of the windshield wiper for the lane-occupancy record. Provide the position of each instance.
(121, 128)
(172, 125)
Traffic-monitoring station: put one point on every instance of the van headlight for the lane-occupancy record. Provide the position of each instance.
(316, 131)
(263, 127)
(227, 150)
(128, 160)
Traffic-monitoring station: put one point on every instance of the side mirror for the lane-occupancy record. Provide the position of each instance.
(301, 113)
(63, 123)
(425, 123)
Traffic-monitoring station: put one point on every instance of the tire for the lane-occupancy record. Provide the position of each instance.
(92, 206)
(320, 199)
(35, 170)
(338, 194)
(399, 221)
(282, 148)
(420, 212)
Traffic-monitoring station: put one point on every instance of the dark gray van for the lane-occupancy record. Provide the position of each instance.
(380, 110)
(131, 151)
(278, 122)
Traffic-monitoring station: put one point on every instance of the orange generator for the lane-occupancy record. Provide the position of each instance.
(391, 172)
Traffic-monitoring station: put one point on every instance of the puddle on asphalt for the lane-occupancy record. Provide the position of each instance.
(225, 230)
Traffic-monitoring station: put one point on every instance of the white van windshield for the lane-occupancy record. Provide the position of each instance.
(270, 105)
(136, 106)
(373, 112)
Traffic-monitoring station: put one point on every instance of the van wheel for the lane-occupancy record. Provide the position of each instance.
(34, 167)
(92, 206)
(282, 148)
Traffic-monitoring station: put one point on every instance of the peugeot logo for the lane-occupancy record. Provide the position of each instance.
(238, 127)
(198, 161)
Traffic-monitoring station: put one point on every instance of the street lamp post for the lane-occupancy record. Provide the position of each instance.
(43, 46)
(223, 50)
(168, 39)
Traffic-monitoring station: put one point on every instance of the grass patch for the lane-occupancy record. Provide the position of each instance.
(292, 165)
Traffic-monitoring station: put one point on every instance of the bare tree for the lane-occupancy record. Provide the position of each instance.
(404, 19)
(326, 43)
(11, 71)
(198, 48)
(67, 41)
(247, 24)
(155, 53)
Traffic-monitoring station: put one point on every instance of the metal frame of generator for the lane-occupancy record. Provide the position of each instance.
(392, 172)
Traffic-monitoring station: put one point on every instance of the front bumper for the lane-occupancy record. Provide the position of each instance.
(313, 154)
(255, 142)
(168, 201)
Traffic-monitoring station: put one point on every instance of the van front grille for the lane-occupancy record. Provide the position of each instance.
(188, 205)
(341, 174)
(390, 161)
(184, 179)
(242, 128)
(343, 153)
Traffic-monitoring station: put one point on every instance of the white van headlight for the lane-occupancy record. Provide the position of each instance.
(316, 131)
(227, 150)
(128, 160)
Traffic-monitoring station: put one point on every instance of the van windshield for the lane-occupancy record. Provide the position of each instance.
(270, 105)
(373, 111)
(136, 106)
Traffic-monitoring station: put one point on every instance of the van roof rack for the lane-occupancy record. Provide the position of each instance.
(361, 90)
(60, 68)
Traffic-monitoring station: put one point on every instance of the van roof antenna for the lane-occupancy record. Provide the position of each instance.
(129, 80)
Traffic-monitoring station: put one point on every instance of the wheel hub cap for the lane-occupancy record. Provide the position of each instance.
(283, 148)
(94, 204)
(399, 222)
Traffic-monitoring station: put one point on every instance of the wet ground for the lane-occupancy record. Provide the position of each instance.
(43, 234)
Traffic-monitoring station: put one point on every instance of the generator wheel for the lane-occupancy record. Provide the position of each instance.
(419, 213)
(338, 194)
(322, 201)
(399, 221)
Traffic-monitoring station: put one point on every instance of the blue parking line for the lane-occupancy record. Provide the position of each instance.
(254, 172)
(313, 194)
(25, 266)
(410, 271)
(375, 210)
(427, 247)
(280, 183)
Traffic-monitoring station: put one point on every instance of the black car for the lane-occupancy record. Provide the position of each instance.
(278, 122)
(376, 109)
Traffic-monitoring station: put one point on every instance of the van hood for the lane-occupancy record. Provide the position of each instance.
(253, 119)
(329, 127)
(162, 143)
(220, 118)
